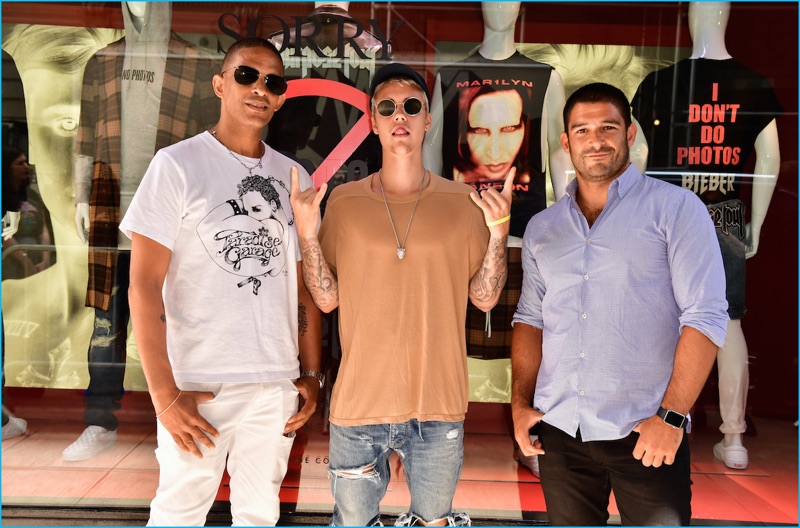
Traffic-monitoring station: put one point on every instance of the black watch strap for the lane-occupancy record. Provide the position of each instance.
(672, 418)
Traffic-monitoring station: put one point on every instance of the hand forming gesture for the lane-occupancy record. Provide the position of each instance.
(496, 206)
(305, 205)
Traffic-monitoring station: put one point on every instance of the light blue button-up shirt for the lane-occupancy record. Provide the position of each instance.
(612, 299)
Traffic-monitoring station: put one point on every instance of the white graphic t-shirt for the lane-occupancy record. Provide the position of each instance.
(230, 293)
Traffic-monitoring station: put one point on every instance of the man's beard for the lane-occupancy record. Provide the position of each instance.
(600, 172)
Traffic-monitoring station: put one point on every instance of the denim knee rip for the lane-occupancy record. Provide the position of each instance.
(367, 472)
(364, 472)
(102, 323)
(454, 519)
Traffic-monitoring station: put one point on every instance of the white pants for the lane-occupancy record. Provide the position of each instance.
(250, 418)
(734, 380)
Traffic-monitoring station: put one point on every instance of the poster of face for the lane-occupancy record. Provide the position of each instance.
(47, 326)
(493, 136)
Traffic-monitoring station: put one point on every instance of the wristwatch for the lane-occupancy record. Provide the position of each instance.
(314, 374)
(672, 418)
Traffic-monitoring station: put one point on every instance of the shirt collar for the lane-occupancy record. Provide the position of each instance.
(627, 180)
(621, 185)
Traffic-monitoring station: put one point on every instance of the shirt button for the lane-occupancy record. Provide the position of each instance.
(582, 354)
(588, 240)
(583, 316)
(582, 393)
(586, 277)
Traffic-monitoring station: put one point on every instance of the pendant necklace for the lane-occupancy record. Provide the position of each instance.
(401, 248)
(249, 169)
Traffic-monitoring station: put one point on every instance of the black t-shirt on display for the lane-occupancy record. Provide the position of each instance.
(461, 84)
(701, 118)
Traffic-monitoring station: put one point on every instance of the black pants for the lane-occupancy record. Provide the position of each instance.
(577, 478)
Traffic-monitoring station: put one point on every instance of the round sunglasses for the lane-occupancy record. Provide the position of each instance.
(247, 75)
(411, 106)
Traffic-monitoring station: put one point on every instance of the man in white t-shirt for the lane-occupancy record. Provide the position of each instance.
(222, 318)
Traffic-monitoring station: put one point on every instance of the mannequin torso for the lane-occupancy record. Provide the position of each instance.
(748, 130)
(498, 59)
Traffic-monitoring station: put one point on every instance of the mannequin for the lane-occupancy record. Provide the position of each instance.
(752, 130)
(499, 20)
(498, 45)
(325, 20)
(707, 23)
(146, 68)
(136, 12)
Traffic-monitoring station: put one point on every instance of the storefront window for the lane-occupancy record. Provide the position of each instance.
(86, 110)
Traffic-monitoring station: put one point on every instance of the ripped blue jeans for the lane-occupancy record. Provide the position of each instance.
(432, 454)
(108, 351)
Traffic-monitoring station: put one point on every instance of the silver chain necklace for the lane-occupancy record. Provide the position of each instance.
(401, 248)
(249, 169)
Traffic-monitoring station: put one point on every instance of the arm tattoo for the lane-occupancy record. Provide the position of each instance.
(486, 285)
(302, 319)
(320, 279)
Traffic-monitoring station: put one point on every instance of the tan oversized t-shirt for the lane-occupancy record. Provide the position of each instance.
(402, 321)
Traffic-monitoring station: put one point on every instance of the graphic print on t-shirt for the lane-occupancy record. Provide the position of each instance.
(492, 120)
(245, 235)
(701, 119)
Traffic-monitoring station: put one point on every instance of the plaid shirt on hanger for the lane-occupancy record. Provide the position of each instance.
(188, 107)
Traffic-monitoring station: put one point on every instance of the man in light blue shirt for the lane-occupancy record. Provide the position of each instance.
(621, 314)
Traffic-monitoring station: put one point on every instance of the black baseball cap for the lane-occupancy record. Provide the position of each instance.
(396, 69)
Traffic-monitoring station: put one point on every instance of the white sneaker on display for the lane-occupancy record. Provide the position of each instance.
(735, 457)
(93, 441)
(14, 427)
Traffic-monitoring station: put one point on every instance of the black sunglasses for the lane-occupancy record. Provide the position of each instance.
(411, 106)
(247, 75)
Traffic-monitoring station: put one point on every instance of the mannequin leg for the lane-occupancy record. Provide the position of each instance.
(106, 363)
(108, 352)
(734, 380)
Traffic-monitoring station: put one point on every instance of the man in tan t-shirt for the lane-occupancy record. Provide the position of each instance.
(399, 253)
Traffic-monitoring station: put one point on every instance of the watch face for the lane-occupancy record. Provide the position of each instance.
(675, 419)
